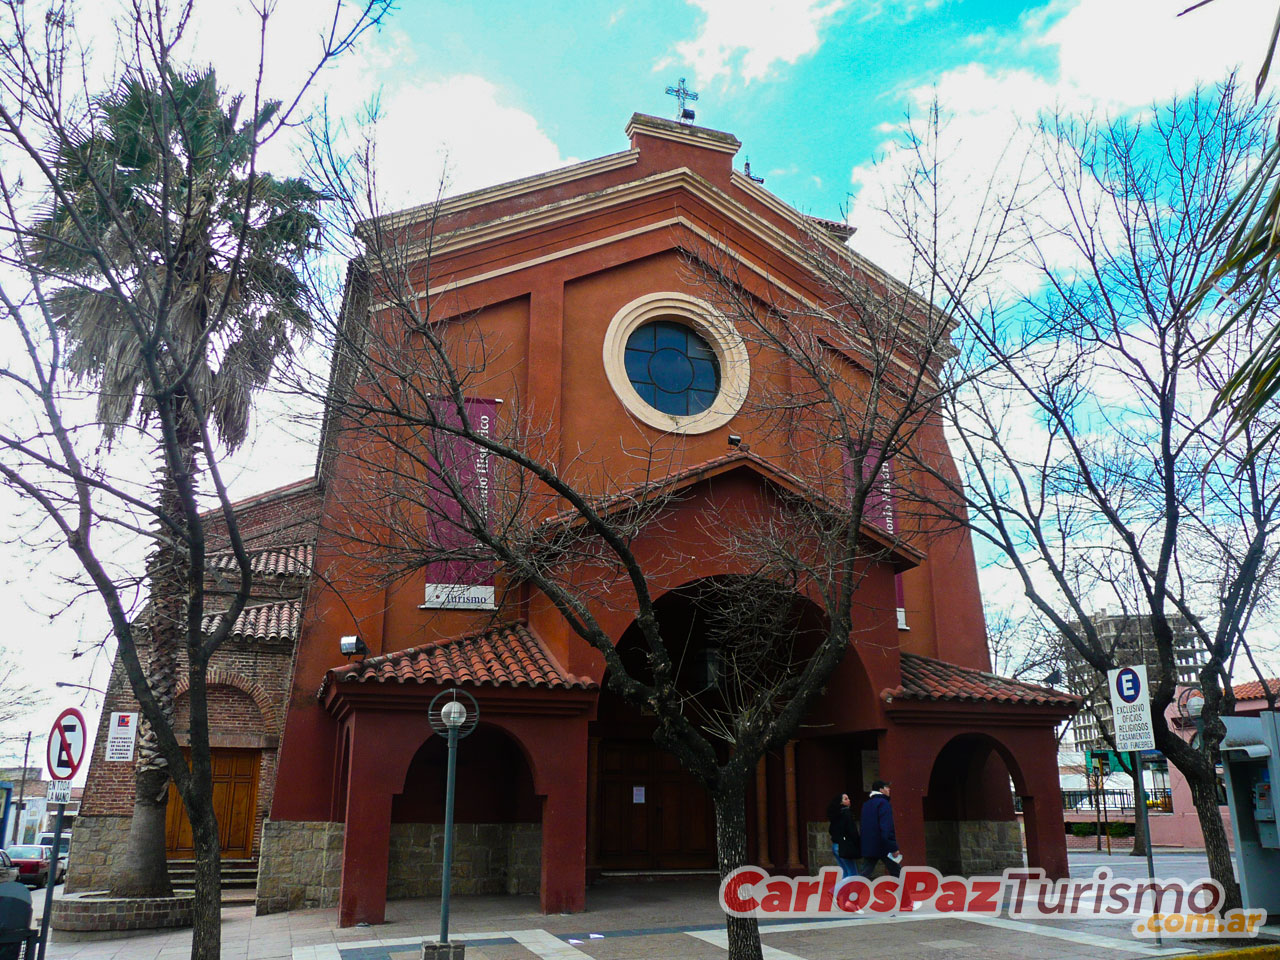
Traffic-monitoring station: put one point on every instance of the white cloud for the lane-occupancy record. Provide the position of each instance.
(750, 37)
(461, 128)
(1106, 59)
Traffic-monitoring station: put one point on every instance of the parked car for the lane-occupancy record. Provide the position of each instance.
(7, 869)
(34, 863)
(64, 848)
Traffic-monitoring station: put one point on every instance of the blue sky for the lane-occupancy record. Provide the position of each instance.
(813, 88)
(805, 122)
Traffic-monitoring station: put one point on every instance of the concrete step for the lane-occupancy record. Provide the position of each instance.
(239, 878)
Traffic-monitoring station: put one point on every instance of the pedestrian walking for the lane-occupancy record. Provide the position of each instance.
(844, 835)
(879, 842)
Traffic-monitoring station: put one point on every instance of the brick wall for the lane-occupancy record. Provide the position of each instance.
(249, 682)
(95, 917)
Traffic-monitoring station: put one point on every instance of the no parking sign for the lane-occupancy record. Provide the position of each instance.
(65, 751)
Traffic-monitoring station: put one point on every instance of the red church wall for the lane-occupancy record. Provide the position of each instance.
(543, 328)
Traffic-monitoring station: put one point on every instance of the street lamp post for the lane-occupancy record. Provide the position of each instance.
(450, 717)
(79, 686)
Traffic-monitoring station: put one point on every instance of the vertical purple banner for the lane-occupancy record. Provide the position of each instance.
(879, 508)
(460, 582)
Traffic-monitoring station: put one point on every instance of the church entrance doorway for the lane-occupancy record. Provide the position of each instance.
(235, 802)
(651, 814)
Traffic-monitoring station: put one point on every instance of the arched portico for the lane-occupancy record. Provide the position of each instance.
(969, 820)
(954, 739)
(533, 710)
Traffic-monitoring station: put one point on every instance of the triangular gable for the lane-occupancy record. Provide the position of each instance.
(902, 555)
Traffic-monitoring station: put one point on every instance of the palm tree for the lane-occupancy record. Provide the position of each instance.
(171, 254)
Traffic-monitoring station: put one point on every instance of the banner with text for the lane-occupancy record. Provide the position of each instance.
(459, 581)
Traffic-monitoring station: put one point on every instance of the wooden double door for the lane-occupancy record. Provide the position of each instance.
(651, 814)
(235, 802)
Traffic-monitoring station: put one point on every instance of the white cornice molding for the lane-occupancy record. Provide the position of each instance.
(512, 188)
(700, 137)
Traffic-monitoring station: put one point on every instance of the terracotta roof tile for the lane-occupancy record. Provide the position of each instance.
(505, 655)
(1253, 690)
(924, 678)
(264, 623)
(287, 561)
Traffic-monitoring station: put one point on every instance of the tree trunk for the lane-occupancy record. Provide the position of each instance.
(206, 932)
(1204, 793)
(731, 853)
(1139, 822)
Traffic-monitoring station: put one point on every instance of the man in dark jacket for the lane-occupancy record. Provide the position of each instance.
(879, 843)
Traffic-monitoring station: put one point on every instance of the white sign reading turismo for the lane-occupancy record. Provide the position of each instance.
(1131, 708)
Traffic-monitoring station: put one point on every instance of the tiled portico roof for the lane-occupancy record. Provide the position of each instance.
(1253, 690)
(293, 560)
(505, 655)
(263, 622)
(924, 678)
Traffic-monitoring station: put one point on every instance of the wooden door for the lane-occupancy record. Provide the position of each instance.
(652, 815)
(235, 801)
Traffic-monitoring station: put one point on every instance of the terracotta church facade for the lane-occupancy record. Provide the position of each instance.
(580, 275)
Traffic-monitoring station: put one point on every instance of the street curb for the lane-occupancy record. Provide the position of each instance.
(1242, 953)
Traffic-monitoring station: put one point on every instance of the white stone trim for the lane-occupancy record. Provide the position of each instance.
(719, 332)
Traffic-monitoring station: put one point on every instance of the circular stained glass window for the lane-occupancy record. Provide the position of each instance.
(672, 368)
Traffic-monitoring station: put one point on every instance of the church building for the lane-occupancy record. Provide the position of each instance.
(583, 285)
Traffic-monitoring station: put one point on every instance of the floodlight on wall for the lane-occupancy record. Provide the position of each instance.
(353, 646)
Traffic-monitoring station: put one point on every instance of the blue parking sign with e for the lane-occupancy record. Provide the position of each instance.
(1128, 685)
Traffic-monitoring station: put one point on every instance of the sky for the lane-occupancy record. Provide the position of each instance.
(816, 90)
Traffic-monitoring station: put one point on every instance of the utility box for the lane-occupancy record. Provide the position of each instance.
(1251, 762)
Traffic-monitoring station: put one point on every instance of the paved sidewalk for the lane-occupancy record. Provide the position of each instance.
(661, 919)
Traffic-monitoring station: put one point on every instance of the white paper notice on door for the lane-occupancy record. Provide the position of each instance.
(637, 794)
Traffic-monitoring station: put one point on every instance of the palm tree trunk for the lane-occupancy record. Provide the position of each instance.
(731, 853)
(144, 870)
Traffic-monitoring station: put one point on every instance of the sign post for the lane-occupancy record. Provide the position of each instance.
(63, 755)
(1131, 713)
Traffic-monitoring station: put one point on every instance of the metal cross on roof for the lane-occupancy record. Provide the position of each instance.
(683, 94)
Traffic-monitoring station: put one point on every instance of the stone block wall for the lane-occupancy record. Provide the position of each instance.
(819, 846)
(96, 844)
(524, 859)
(487, 858)
(973, 847)
(300, 865)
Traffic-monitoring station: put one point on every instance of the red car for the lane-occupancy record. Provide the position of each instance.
(34, 863)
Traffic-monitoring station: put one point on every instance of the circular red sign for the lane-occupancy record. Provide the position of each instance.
(65, 751)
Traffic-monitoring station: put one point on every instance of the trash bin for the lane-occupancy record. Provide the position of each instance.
(17, 940)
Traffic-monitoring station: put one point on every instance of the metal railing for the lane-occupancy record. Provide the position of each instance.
(1083, 801)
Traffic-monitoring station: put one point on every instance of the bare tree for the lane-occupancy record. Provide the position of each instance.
(1092, 455)
(595, 532)
(148, 282)
(1022, 646)
(17, 700)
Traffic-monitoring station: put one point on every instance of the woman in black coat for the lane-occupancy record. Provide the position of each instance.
(844, 835)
